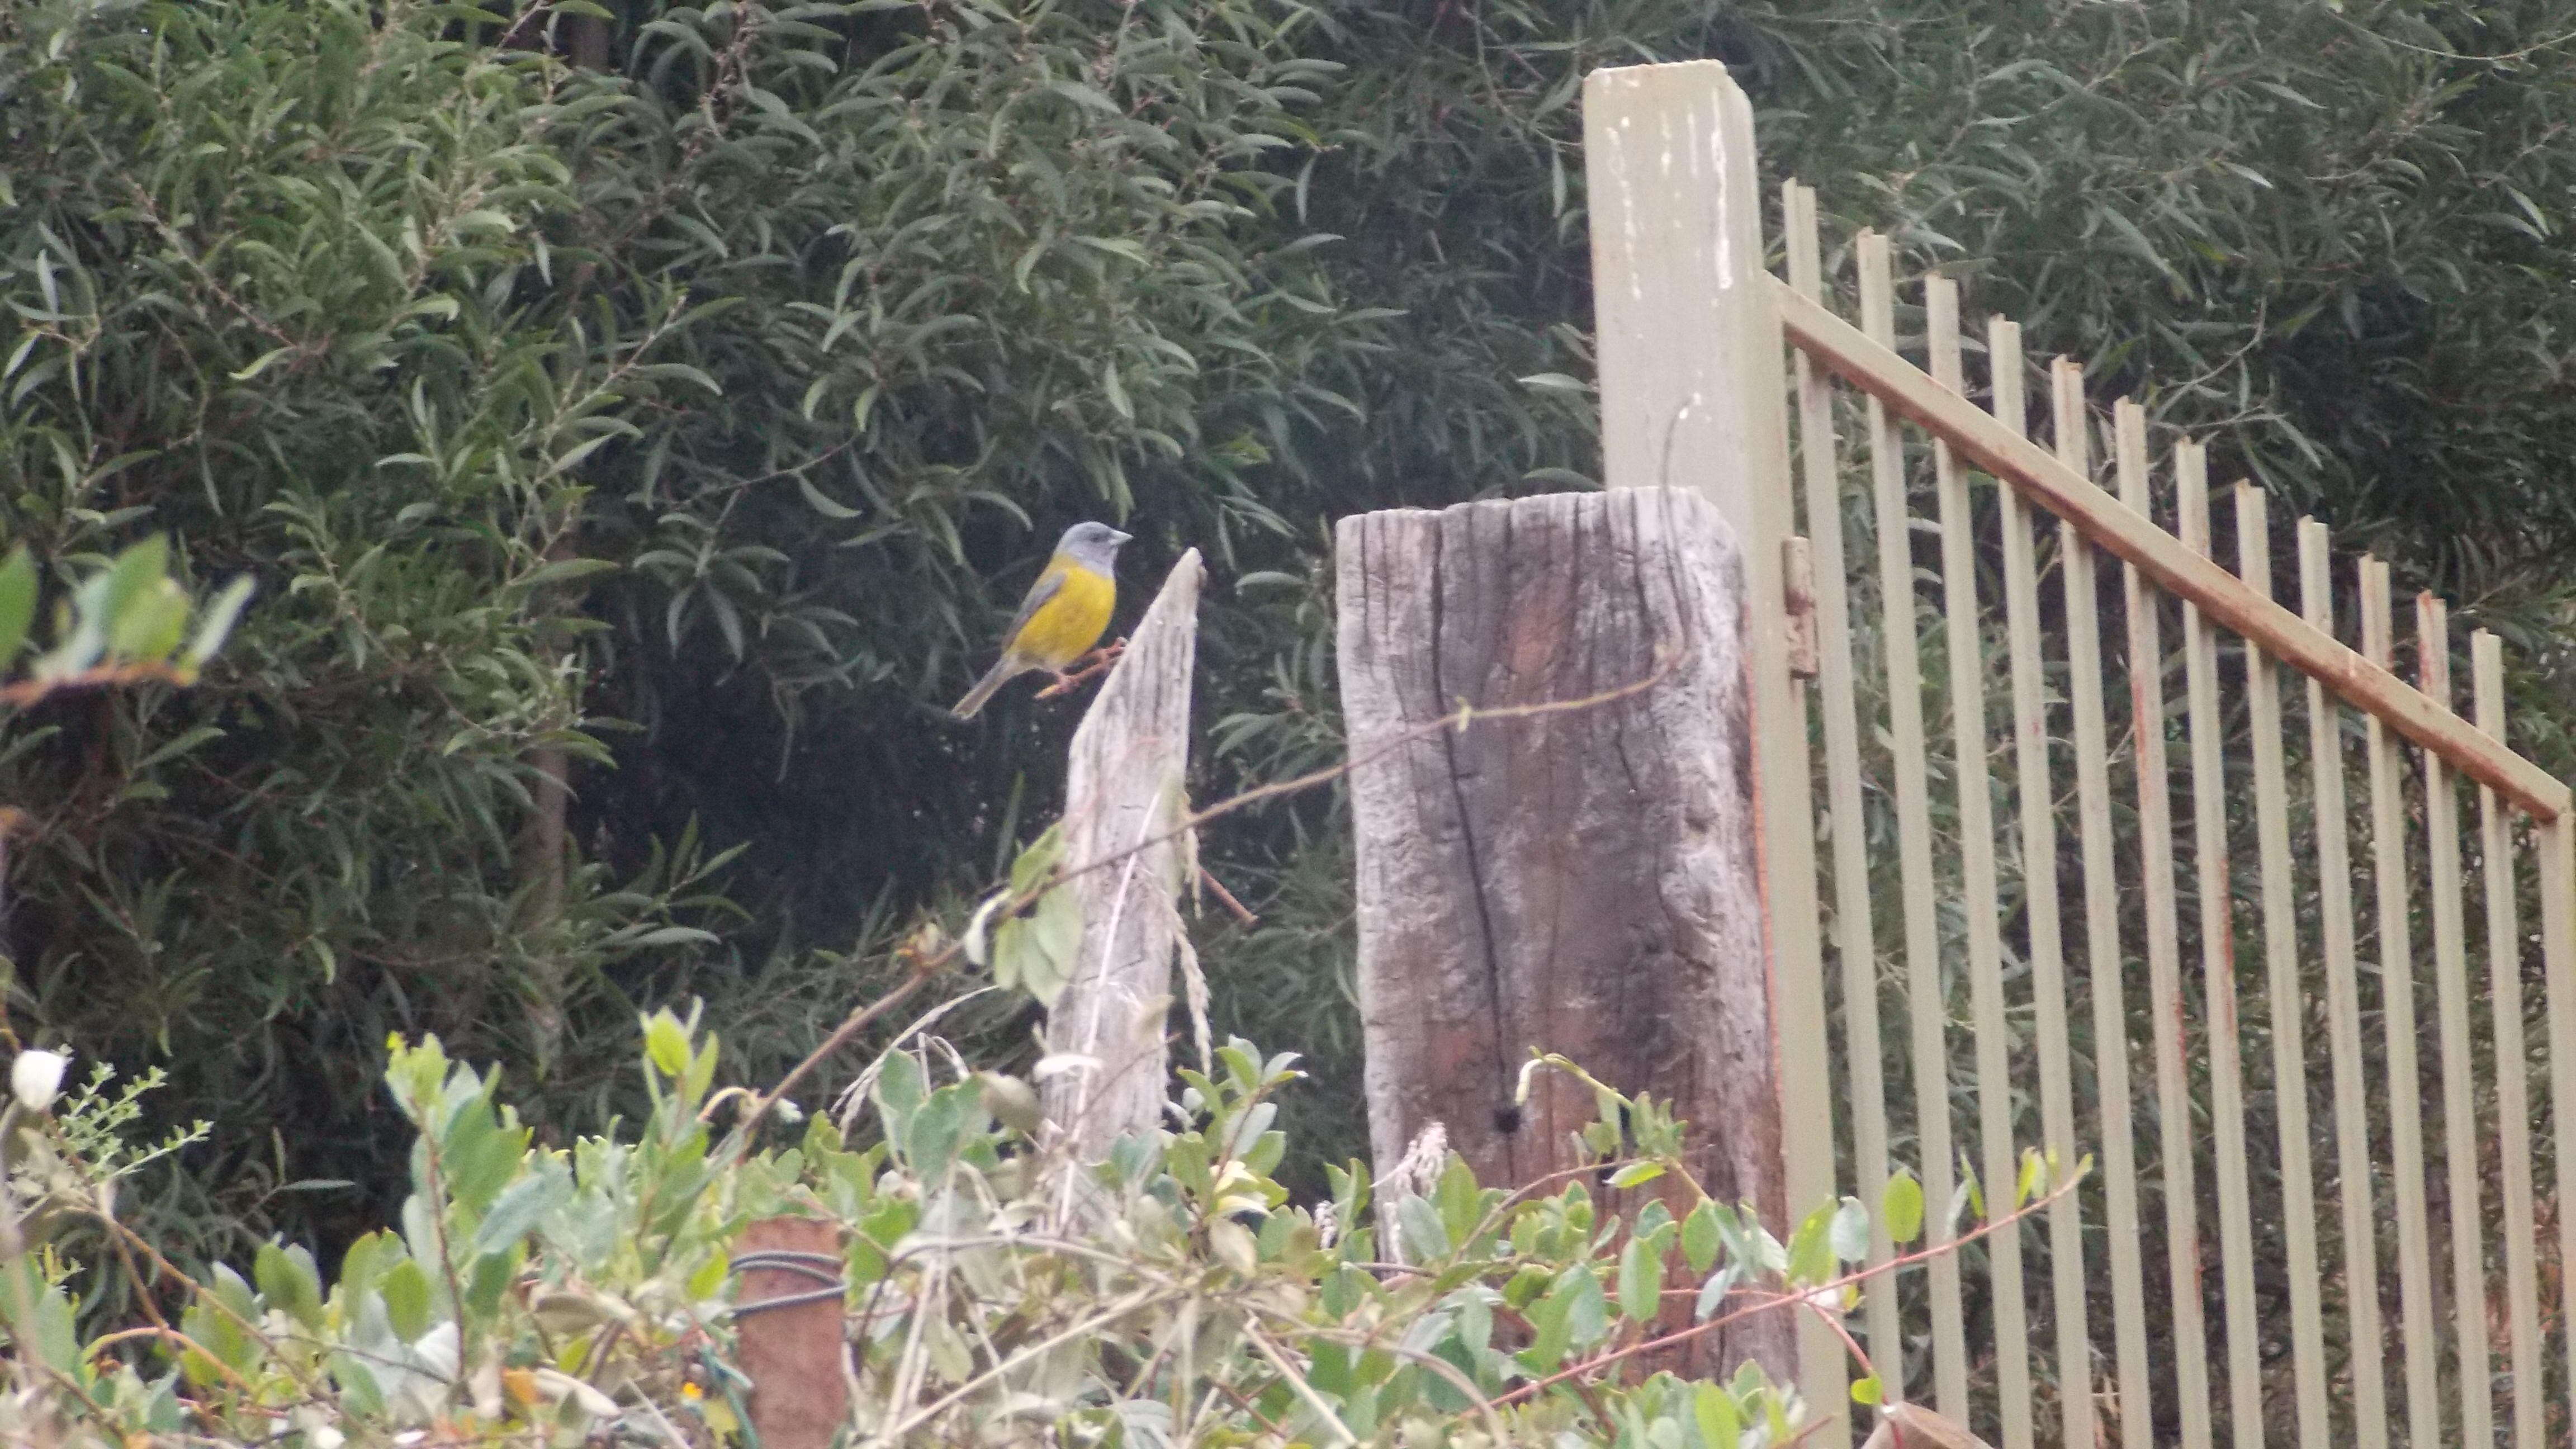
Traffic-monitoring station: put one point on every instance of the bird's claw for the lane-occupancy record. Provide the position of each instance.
(1085, 669)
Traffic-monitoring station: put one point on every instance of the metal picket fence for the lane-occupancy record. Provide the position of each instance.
(2115, 854)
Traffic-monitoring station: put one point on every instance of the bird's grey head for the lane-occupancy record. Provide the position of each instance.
(1092, 545)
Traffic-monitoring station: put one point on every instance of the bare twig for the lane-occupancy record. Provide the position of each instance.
(924, 968)
(928, 963)
(1233, 907)
(1771, 1301)
(29, 691)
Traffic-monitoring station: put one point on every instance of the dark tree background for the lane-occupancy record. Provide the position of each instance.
(680, 426)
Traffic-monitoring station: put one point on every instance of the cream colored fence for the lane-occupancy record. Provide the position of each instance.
(2078, 838)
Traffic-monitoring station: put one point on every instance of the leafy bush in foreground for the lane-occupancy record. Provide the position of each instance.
(996, 1293)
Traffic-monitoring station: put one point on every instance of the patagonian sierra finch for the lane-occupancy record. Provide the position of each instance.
(1064, 615)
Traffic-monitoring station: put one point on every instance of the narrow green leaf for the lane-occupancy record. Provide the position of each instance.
(177, 747)
(1730, 1231)
(217, 624)
(288, 1280)
(1086, 96)
(406, 1292)
(1968, 1197)
(1811, 1249)
(667, 1043)
(1713, 1413)
(1556, 382)
(1426, 1239)
(264, 362)
(1636, 1173)
(151, 624)
(1048, 945)
(1714, 1291)
(1641, 1279)
(1902, 1205)
(134, 571)
(565, 570)
(1038, 861)
(1700, 1241)
(823, 503)
(1850, 1233)
(1587, 1311)
(17, 603)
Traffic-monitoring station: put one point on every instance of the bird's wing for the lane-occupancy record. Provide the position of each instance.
(1049, 584)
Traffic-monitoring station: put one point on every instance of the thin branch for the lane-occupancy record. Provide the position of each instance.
(1782, 1300)
(928, 964)
(1297, 1382)
(1458, 719)
(1081, 1327)
(1242, 915)
(29, 691)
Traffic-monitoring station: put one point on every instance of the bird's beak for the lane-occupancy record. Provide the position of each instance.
(1116, 537)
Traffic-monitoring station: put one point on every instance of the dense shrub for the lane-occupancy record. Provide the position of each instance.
(996, 1292)
(679, 425)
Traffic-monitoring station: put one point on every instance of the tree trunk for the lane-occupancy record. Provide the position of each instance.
(1125, 793)
(1581, 881)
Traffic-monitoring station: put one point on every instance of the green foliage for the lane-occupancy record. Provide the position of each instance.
(266, 262)
(124, 622)
(2310, 226)
(684, 427)
(1171, 1294)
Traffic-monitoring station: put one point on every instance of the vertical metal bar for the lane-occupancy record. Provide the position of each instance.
(2513, 1086)
(2397, 1013)
(1853, 934)
(2459, 1065)
(2103, 964)
(1928, 1012)
(2281, 967)
(2557, 865)
(2365, 1345)
(2037, 799)
(2218, 977)
(1975, 782)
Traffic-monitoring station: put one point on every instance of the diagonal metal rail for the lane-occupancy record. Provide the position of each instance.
(2177, 569)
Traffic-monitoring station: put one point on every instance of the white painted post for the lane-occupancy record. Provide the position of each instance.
(1694, 394)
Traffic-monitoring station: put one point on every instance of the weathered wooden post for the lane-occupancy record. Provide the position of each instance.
(1580, 881)
(790, 1322)
(1123, 799)
(1608, 882)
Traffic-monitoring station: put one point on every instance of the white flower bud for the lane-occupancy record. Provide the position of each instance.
(36, 1078)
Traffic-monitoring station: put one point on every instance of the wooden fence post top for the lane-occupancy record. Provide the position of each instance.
(1126, 791)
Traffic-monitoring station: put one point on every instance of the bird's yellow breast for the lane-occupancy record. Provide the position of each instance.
(1071, 622)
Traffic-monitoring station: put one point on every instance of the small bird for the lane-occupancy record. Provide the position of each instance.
(1064, 615)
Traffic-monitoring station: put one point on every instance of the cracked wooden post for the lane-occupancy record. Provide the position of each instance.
(1130, 759)
(1579, 881)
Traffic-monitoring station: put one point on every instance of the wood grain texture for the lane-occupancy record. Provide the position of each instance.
(1125, 790)
(1580, 882)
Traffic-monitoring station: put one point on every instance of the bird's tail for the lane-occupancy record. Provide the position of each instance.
(1004, 670)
